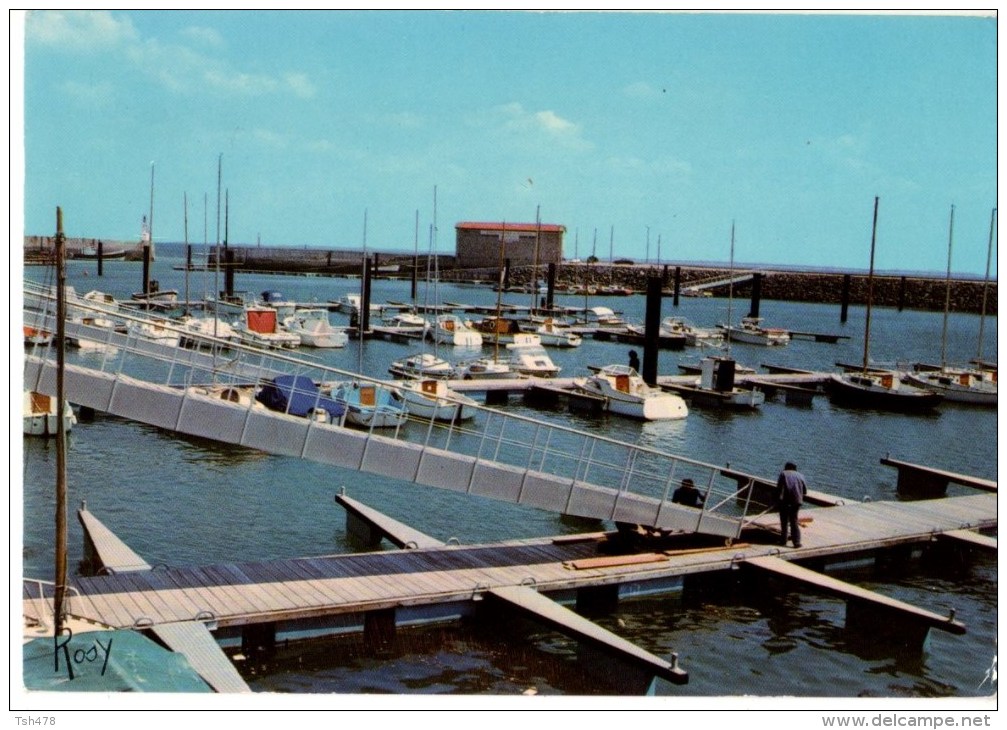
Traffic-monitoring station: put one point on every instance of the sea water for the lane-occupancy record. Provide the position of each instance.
(178, 500)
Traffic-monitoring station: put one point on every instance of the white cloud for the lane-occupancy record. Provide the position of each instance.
(98, 91)
(184, 67)
(203, 36)
(95, 31)
(641, 90)
(546, 122)
(300, 85)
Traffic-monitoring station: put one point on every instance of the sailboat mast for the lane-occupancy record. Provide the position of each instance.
(870, 286)
(986, 283)
(188, 251)
(500, 286)
(61, 498)
(730, 293)
(150, 226)
(363, 296)
(534, 267)
(416, 254)
(947, 294)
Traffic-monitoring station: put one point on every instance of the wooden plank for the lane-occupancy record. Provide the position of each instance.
(112, 552)
(973, 539)
(614, 561)
(398, 532)
(193, 640)
(547, 611)
(987, 485)
(825, 583)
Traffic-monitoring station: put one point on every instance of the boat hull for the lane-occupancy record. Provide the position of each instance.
(981, 393)
(40, 417)
(905, 399)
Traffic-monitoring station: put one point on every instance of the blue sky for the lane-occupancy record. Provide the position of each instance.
(614, 124)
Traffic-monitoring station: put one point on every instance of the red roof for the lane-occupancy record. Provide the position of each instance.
(523, 227)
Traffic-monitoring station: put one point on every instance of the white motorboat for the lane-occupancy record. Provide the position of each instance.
(155, 330)
(99, 342)
(259, 328)
(604, 317)
(40, 417)
(314, 328)
(205, 332)
(694, 336)
(371, 406)
(422, 365)
(528, 357)
(486, 368)
(752, 332)
(432, 399)
(407, 323)
(450, 329)
(626, 394)
(555, 333)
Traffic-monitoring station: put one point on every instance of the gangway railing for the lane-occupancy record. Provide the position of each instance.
(719, 280)
(216, 392)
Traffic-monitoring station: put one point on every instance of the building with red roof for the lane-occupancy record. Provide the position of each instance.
(482, 245)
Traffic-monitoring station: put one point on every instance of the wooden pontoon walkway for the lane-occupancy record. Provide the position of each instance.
(238, 594)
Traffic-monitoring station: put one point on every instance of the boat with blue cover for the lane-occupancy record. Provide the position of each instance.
(299, 395)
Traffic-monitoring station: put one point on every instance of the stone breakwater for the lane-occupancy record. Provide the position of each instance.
(909, 292)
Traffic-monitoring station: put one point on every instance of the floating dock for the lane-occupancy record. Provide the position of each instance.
(379, 592)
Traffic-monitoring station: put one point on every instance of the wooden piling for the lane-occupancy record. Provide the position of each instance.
(845, 299)
(756, 294)
(652, 329)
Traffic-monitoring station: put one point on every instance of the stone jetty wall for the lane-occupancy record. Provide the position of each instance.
(909, 292)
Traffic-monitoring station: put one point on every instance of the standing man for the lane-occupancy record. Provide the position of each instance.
(791, 489)
(634, 360)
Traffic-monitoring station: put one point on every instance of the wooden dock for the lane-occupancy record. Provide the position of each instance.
(397, 587)
(923, 481)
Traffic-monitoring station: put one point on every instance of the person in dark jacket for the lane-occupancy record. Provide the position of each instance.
(791, 489)
(634, 360)
(688, 495)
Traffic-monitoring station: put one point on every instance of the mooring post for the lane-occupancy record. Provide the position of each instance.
(365, 299)
(652, 330)
(146, 268)
(886, 627)
(678, 283)
(101, 253)
(416, 266)
(229, 273)
(258, 639)
(506, 274)
(845, 299)
(551, 288)
(597, 600)
(379, 630)
(902, 293)
(756, 294)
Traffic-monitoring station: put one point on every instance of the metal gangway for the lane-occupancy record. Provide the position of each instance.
(210, 390)
(716, 281)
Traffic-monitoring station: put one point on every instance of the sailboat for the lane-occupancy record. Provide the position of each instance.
(152, 294)
(50, 630)
(872, 387)
(973, 385)
(716, 384)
